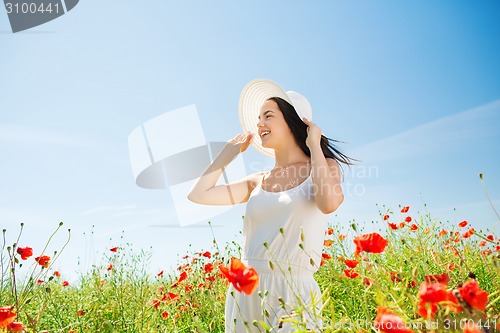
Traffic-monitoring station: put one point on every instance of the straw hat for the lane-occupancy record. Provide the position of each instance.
(254, 94)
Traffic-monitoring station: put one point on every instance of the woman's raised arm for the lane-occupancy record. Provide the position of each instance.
(205, 192)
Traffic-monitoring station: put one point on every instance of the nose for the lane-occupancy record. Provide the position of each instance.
(260, 123)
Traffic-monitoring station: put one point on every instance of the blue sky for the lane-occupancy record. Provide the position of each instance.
(413, 87)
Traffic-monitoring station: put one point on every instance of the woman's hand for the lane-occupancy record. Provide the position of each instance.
(241, 141)
(313, 134)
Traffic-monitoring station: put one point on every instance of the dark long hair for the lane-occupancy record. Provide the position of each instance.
(299, 131)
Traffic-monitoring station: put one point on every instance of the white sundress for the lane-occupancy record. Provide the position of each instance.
(281, 220)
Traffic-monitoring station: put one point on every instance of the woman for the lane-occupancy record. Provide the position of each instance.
(287, 207)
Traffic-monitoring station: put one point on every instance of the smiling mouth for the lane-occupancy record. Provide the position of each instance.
(265, 133)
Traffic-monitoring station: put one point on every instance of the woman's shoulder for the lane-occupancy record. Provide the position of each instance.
(255, 179)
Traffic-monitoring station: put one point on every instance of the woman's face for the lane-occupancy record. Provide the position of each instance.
(273, 129)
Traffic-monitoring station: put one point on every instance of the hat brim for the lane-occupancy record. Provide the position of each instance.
(252, 97)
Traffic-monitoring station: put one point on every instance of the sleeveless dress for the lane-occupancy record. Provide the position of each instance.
(283, 236)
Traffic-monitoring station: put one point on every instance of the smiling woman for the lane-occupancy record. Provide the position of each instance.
(287, 207)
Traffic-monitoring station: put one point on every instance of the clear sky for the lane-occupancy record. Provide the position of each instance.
(412, 87)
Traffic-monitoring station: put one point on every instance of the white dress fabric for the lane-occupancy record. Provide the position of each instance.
(286, 229)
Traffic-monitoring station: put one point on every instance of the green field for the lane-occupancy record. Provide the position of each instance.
(121, 295)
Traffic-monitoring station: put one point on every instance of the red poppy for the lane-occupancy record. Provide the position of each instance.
(114, 249)
(393, 226)
(441, 278)
(160, 273)
(156, 303)
(432, 292)
(164, 314)
(351, 263)
(367, 281)
(401, 225)
(170, 297)
(463, 224)
(208, 268)
(110, 267)
(183, 276)
(386, 217)
(490, 237)
(350, 273)
(244, 279)
(395, 277)
(408, 219)
(65, 283)
(328, 242)
(43, 261)
(207, 254)
(80, 313)
(25, 252)
(468, 233)
(413, 227)
(329, 231)
(342, 237)
(388, 322)
(473, 294)
(373, 243)
(57, 274)
(405, 209)
(442, 233)
(15, 327)
(6, 316)
(326, 256)
(481, 243)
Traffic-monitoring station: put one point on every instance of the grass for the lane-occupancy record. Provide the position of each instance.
(121, 296)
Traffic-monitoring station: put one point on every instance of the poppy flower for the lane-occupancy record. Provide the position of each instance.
(468, 233)
(65, 283)
(401, 225)
(80, 313)
(15, 327)
(373, 243)
(328, 242)
(110, 267)
(25, 252)
(350, 273)
(388, 322)
(408, 219)
(393, 226)
(413, 227)
(114, 249)
(386, 217)
(183, 276)
(170, 297)
(474, 295)
(481, 243)
(156, 303)
(244, 279)
(490, 237)
(441, 278)
(463, 224)
(351, 263)
(207, 254)
(164, 314)
(43, 261)
(326, 256)
(208, 268)
(405, 209)
(57, 274)
(6, 316)
(342, 237)
(329, 231)
(160, 273)
(442, 233)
